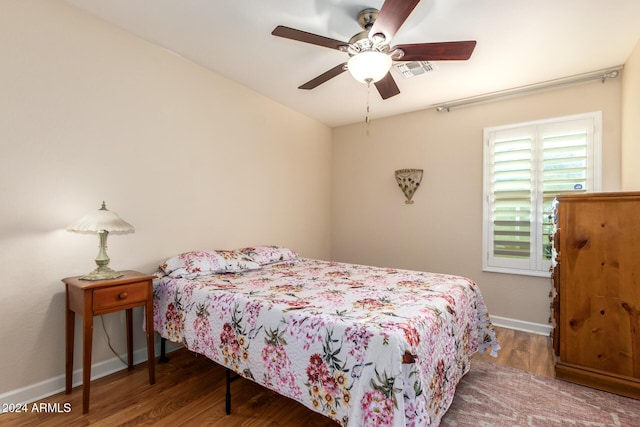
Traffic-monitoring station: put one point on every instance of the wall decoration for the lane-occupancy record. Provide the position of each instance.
(409, 181)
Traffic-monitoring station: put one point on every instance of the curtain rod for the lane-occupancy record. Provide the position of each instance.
(602, 75)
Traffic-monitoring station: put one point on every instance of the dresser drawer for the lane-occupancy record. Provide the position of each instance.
(118, 297)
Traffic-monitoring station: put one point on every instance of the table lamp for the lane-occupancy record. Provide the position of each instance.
(102, 222)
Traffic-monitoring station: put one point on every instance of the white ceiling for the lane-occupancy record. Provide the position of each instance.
(520, 42)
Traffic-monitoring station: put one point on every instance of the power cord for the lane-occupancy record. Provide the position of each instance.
(106, 334)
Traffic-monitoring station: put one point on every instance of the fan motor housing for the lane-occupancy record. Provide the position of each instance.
(367, 17)
(363, 41)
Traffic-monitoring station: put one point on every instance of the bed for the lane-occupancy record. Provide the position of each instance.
(365, 346)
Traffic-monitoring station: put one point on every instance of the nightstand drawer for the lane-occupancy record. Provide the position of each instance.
(120, 296)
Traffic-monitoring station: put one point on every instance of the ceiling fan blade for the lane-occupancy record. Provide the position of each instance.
(391, 17)
(387, 87)
(303, 36)
(327, 75)
(444, 51)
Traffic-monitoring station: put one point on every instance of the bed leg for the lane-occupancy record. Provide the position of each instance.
(163, 351)
(227, 396)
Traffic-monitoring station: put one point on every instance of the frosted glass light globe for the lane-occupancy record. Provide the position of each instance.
(369, 66)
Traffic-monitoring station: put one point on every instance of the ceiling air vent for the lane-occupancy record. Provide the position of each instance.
(414, 68)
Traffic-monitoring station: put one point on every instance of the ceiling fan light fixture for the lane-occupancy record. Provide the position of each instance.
(369, 66)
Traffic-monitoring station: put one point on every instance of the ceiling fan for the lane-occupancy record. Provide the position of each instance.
(370, 54)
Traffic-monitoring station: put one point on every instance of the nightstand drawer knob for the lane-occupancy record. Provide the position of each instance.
(123, 295)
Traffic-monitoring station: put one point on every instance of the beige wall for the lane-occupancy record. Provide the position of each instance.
(442, 230)
(193, 161)
(631, 122)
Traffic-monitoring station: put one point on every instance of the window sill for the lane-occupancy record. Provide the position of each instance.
(516, 271)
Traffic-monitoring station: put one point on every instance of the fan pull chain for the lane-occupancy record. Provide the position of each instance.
(366, 119)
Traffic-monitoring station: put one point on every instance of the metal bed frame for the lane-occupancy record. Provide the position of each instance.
(228, 377)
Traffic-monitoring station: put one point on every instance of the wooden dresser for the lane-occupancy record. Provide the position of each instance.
(597, 291)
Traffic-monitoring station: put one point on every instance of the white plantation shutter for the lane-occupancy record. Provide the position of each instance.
(526, 166)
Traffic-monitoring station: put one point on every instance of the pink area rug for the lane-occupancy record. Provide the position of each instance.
(491, 395)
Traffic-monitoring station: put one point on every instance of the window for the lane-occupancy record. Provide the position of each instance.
(525, 166)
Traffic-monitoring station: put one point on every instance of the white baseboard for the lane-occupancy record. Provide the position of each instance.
(521, 325)
(43, 389)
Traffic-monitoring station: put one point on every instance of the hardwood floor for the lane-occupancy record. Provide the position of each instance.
(189, 390)
(523, 350)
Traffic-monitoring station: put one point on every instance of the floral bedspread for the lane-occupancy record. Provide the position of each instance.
(362, 345)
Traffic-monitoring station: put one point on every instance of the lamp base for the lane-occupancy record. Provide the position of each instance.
(102, 273)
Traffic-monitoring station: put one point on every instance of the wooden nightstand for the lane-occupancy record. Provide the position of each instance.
(90, 299)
